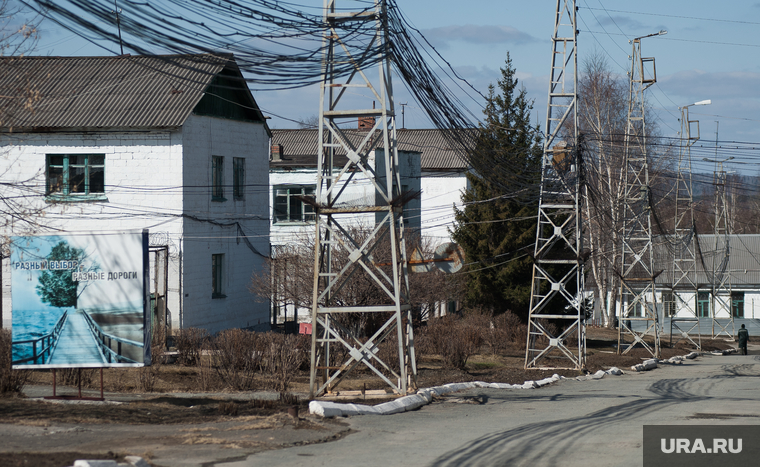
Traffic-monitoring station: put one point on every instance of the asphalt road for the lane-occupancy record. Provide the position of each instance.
(570, 423)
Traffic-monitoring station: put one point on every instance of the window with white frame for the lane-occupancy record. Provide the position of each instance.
(289, 204)
(76, 176)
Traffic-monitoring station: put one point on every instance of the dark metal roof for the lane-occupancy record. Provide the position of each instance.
(300, 148)
(58, 93)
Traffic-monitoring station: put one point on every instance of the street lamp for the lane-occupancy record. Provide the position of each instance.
(686, 123)
(661, 33)
(641, 60)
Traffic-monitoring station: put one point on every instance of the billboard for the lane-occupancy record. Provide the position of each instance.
(80, 301)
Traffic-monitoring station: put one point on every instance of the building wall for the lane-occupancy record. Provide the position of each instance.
(145, 172)
(440, 192)
(359, 190)
(283, 233)
(139, 165)
(238, 229)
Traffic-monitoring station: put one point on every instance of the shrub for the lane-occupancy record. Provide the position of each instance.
(70, 376)
(189, 343)
(453, 339)
(516, 332)
(11, 381)
(236, 357)
(281, 357)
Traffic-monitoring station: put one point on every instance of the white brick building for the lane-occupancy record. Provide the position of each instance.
(427, 164)
(173, 144)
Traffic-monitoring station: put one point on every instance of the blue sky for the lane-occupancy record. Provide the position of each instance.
(711, 51)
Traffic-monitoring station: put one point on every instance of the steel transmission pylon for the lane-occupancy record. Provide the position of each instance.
(558, 276)
(721, 275)
(684, 316)
(341, 251)
(637, 290)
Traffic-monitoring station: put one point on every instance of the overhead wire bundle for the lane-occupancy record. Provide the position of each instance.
(279, 45)
(276, 43)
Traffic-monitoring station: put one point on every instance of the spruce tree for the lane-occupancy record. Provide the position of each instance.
(497, 226)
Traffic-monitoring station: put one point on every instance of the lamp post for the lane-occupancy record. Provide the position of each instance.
(637, 278)
(686, 123)
(684, 277)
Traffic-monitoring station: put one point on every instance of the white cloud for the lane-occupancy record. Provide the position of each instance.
(477, 34)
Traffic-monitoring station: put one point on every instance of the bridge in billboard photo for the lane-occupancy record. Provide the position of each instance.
(76, 339)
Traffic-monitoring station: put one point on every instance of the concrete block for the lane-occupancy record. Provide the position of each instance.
(646, 365)
(411, 402)
(427, 394)
(95, 463)
(136, 461)
(454, 387)
(325, 409)
(544, 382)
(390, 407)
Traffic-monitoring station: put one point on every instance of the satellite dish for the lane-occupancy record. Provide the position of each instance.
(418, 264)
(449, 257)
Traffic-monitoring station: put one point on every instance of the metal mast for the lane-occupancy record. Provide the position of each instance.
(637, 290)
(340, 253)
(558, 275)
(721, 283)
(684, 277)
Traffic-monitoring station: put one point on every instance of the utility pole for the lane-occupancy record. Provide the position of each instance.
(637, 289)
(558, 275)
(339, 254)
(683, 309)
(720, 296)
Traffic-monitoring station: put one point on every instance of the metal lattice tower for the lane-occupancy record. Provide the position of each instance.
(637, 290)
(339, 253)
(684, 316)
(558, 274)
(721, 283)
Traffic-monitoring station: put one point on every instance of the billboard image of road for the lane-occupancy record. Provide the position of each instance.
(79, 301)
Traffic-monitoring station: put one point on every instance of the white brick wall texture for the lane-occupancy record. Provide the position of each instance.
(160, 180)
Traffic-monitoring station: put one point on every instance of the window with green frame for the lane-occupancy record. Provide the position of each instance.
(737, 304)
(703, 304)
(217, 276)
(238, 177)
(76, 176)
(217, 178)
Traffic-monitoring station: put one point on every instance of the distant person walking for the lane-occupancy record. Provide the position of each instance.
(743, 338)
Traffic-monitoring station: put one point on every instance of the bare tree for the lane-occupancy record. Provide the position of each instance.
(602, 118)
(18, 29)
(289, 280)
(310, 122)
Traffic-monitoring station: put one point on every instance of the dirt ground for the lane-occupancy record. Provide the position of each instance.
(176, 398)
